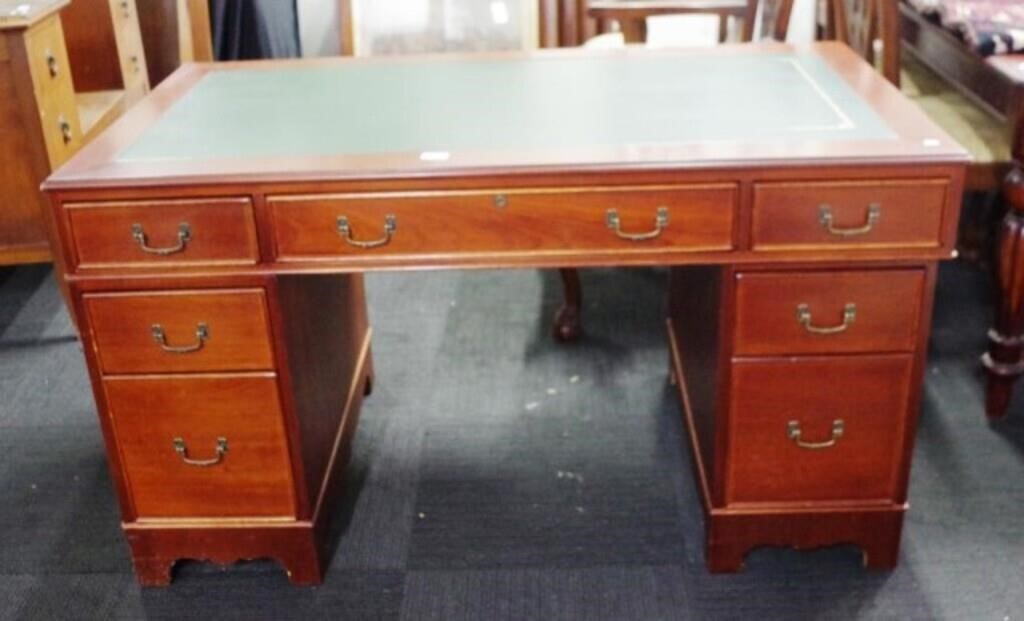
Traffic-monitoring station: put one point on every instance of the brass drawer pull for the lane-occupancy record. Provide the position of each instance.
(184, 237)
(803, 315)
(182, 451)
(202, 334)
(825, 219)
(793, 433)
(390, 225)
(51, 64)
(660, 224)
(65, 129)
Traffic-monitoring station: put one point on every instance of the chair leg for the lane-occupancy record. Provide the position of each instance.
(568, 320)
(1006, 339)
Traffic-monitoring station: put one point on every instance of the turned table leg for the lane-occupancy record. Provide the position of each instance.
(568, 321)
(1006, 338)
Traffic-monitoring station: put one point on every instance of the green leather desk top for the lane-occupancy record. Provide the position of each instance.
(732, 106)
(507, 105)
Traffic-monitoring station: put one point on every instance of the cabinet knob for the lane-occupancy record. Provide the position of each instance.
(51, 64)
(65, 129)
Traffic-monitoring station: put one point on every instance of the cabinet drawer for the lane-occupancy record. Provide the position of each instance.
(857, 404)
(231, 428)
(857, 215)
(54, 89)
(827, 312)
(186, 331)
(681, 219)
(163, 233)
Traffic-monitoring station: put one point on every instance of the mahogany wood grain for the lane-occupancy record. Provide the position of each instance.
(787, 215)
(326, 333)
(875, 530)
(22, 150)
(92, 45)
(700, 218)
(223, 232)
(699, 355)
(767, 319)
(157, 547)
(237, 322)
(252, 480)
(868, 393)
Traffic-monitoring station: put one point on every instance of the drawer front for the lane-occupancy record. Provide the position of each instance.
(181, 331)
(164, 233)
(817, 429)
(54, 89)
(852, 215)
(691, 218)
(229, 428)
(827, 312)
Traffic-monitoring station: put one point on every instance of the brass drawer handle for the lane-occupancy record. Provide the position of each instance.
(826, 220)
(202, 334)
(793, 433)
(184, 236)
(660, 224)
(803, 315)
(65, 129)
(51, 64)
(182, 451)
(390, 225)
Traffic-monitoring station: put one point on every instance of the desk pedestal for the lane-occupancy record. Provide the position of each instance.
(802, 436)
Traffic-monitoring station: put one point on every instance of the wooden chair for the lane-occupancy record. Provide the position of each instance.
(632, 16)
(984, 115)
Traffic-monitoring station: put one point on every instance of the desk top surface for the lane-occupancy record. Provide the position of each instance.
(336, 118)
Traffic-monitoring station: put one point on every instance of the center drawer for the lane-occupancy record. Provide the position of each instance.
(676, 218)
(202, 446)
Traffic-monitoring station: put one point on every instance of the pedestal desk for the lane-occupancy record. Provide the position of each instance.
(215, 239)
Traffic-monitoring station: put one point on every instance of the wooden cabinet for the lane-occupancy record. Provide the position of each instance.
(801, 388)
(67, 70)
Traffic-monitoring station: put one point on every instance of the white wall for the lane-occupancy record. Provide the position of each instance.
(801, 26)
(319, 29)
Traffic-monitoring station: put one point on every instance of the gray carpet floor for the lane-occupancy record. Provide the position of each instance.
(498, 475)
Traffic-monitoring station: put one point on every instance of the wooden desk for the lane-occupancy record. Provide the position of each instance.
(216, 239)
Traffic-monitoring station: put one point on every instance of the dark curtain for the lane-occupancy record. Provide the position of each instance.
(248, 29)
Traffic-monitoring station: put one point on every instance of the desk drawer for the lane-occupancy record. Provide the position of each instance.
(683, 218)
(827, 312)
(231, 426)
(164, 233)
(181, 331)
(851, 215)
(857, 404)
(54, 89)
